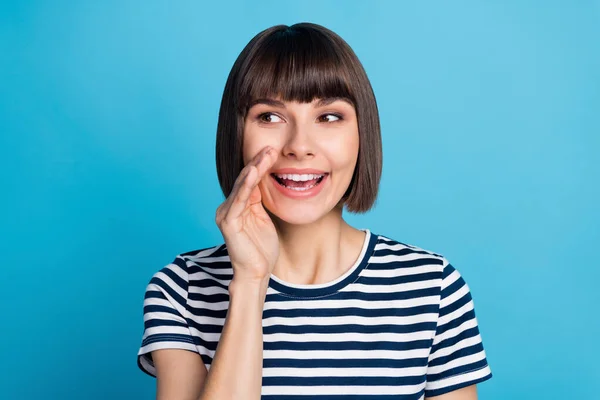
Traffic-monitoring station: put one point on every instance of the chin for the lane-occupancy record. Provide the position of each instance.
(298, 214)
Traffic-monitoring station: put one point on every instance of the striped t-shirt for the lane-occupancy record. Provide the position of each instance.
(399, 324)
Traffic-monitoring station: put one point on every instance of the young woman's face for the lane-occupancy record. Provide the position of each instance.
(317, 145)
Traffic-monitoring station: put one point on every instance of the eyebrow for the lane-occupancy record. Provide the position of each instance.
(321, 103)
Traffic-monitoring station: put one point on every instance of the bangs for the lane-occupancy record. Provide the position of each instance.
(300, 63)
(295, 65)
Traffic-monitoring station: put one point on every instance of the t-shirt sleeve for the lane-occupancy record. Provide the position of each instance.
(457, 358)
(165, 325)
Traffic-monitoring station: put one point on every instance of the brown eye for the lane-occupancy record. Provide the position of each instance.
(268, 118)
(324, 118)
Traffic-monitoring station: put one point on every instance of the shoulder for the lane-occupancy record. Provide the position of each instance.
(394, 251)
(186, 266)
(410, 259)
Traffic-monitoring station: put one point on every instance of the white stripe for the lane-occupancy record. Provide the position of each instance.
(459, 294)
(375, 259)
(203, 254)
(210, 260)
(154, 301)
(400, 246)
(397, 288)
(197, 276)
(357, 303)
(203, 305)
(167, 345)
(392, 273)
(349, 319)
(455, 380)
(446, 351)
(390, 246)
(344, 372)
(164, 316)
(346, 354)
(450, 333)
(170, 283)
(166, 330)
(177, 270)
(406, 245)
(208, 290)
(347, 337)
(456, 314)
(340, 390)
(458, 362)
(450, 279)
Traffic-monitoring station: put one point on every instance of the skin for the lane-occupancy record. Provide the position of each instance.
(308, 135)
(300, 241)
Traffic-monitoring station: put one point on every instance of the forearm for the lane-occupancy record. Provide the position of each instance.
(236, 370)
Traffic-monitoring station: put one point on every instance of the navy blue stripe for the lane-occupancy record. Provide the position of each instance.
(151, 323)
(152, 308)
(204, 327)
(343, 381)
(218, 250)
(462, 352)
(416, 396)
(448, 270)
(433, 277)
(348, 345)
(212, 267)
(352, 311)
(345, 363)
(209, 298)
(456, 322)
(454, 287)
(167, 337)
(207, 283)
(472, 332)
(204, 312)
(402, 264)
(455, 305)
(346, 328)
(160, 283)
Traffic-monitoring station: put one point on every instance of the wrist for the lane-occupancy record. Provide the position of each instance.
(248, 287)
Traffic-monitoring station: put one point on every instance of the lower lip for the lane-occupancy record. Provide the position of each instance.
(300, 194)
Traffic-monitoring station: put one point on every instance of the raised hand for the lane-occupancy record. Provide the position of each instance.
(249, 233)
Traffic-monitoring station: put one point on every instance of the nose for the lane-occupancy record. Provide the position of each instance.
(298, 143)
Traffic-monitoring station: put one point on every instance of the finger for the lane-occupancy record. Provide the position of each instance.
(265, 163)
(240, 202)
(223, 209)
(237, 186)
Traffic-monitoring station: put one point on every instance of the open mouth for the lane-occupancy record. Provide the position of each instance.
(299, 182)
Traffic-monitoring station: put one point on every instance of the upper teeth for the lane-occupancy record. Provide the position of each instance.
(298, 178)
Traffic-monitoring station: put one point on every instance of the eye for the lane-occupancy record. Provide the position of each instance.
(336, 117)
(268, 118)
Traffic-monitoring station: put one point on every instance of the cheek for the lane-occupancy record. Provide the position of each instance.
(345, 151)
(255, 141)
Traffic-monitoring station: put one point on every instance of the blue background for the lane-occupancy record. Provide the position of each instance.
(108, 111)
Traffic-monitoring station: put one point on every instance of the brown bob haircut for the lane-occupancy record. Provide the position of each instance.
(299, 63)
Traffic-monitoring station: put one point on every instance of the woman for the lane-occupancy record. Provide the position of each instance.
(298, 304)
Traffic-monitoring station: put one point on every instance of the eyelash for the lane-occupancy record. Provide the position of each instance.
(338, 116)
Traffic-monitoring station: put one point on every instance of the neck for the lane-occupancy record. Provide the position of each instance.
(318, 252)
